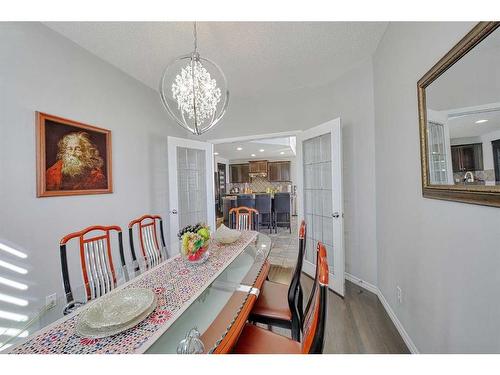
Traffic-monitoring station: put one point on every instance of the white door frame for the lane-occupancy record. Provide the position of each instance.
(336, 279)
(173, 143)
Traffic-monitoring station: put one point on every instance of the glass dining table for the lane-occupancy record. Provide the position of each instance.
(212, 313)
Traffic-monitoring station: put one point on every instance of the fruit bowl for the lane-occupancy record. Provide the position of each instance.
(199, 257)
(194, 243)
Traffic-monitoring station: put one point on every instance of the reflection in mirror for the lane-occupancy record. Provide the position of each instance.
(463, 119)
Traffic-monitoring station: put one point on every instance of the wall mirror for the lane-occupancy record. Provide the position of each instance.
(459, 116)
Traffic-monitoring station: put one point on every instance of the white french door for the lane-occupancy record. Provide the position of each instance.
(319, 163)
(191, 186)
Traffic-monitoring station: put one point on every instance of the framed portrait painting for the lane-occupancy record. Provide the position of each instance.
(72, 158)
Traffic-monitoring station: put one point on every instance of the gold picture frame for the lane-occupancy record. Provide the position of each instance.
(482, 195)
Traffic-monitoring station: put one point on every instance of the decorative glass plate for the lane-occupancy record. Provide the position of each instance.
(85, 331)
(225, 235)
(117, 308)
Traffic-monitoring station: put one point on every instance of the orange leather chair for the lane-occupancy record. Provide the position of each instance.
(256, 340)
(281, 305)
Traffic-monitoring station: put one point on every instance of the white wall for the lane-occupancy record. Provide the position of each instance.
(42, 71)
(444, 255)
(351, 98)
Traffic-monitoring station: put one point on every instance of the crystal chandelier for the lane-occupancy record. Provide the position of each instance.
(190, 94)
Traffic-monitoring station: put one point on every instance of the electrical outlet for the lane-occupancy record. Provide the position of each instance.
(51, 301)
(399, 294)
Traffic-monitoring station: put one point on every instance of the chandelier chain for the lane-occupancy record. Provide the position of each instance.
(201, 102)
(195, 34)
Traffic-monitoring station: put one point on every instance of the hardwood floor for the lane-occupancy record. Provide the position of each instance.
(357, 323)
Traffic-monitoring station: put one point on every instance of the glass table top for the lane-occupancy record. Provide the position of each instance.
(212, 313)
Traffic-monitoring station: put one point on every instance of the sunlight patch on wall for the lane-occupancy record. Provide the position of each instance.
(13, 316)
(13, 300)
(12, 251)
(13, 267)
(13, 284)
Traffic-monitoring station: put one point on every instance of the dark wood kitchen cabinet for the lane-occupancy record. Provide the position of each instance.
(467, 157)
(258, 167)
(279, 171)
(238, 173)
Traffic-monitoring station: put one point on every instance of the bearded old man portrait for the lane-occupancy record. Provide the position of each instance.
(73, 158)
(78, 165)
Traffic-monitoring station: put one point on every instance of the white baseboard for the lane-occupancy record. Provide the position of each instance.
(372, 288)
(363, 284)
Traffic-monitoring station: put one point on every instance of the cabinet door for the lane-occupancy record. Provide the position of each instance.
(478, 157)
(273, 172)
(455, 159)
(244, 170)
(468, 158)
(233, 173)
(285, 171)
(253, 167)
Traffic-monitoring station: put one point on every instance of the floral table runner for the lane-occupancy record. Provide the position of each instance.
(176, 284)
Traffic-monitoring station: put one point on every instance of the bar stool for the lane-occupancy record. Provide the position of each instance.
(245, 200)
(256, 340)
(281, 305)
(263, 205)
(282, 210)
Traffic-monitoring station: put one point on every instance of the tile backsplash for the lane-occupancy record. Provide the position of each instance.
(487, 176)
(260, 184)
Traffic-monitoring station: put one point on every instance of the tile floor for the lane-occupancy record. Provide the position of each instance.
(285, 245)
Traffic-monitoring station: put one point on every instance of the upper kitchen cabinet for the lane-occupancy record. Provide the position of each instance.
(258, 168)
(239, 173)
(467, 157)
(279, 171)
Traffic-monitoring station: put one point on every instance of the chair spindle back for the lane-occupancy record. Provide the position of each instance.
(151, 251)
(96, 260)
(243, 218)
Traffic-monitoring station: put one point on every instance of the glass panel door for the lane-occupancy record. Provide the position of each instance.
(317, 164)
(191, 184)
(319, 188)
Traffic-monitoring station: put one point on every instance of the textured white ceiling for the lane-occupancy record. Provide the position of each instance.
(272, 149)
(259, 58)
(466, 126)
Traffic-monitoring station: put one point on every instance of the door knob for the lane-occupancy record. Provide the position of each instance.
(174, 211)
(336, 215)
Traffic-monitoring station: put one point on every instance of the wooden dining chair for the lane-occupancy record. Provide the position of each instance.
(96, 260)
(281, 305)
(243, 218)
(147, 232)
(256, 340)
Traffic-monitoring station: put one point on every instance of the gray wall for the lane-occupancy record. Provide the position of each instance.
(350, 97)
(444, 255)
(42, 71)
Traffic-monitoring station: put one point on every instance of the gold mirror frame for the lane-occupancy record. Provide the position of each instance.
(483, 195)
